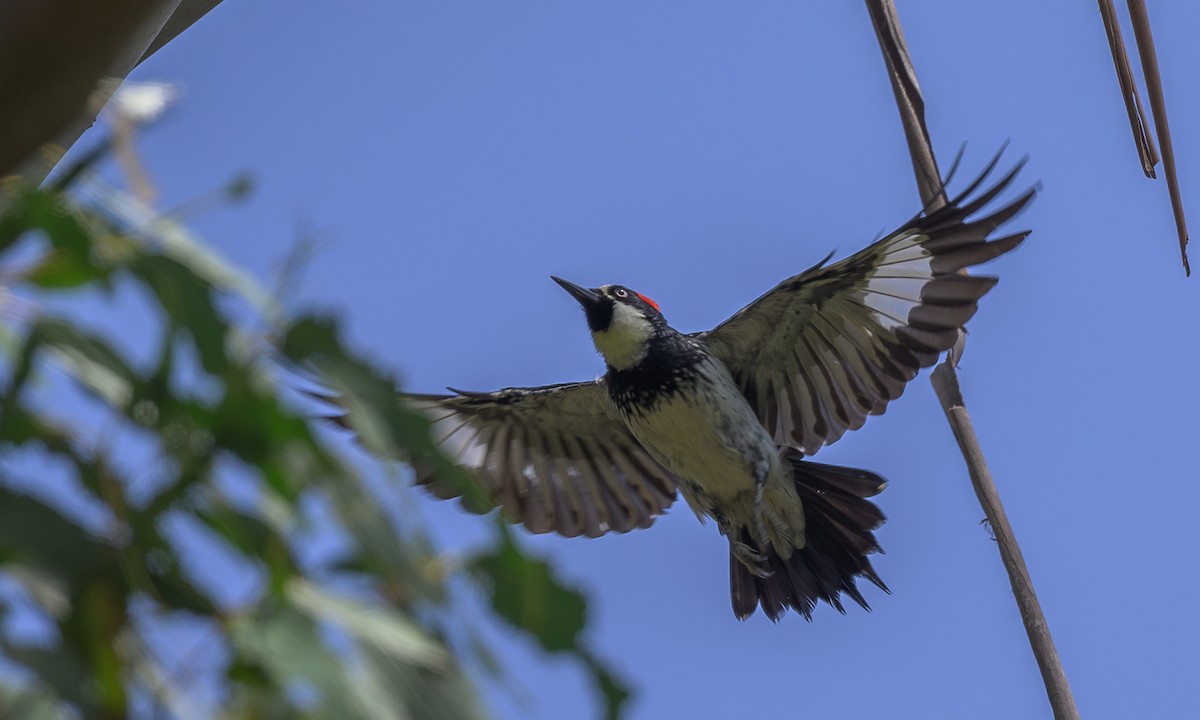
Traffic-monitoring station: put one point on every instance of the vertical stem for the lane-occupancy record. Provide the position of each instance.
(1158, 105)
(1133, 102)
(1058, 690)
(945, 379)
(909, 101)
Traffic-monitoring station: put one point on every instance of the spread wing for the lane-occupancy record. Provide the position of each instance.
(555, 458)
(824, 349)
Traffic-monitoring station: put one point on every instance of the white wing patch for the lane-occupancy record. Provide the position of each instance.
(828, 347)
(894, 287)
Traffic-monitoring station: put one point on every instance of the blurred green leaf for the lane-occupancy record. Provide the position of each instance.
(60, 671)
(89, 358)
(446, 694)
(284, 644)
(189, 303)
(526, 593)
(154, 676)
(251, 422)
(393, 661)
(255, 539)
(30, 703)
(386, 426)
(614, 692)
(30, 208)
(85, 668)
(402, 558)
(287, 645)
(385, 629)
(58, 269)
(63, 549)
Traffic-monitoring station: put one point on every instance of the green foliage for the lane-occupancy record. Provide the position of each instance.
(104, 581)
(526, 593)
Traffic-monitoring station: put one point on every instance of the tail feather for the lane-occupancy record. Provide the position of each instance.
(839, 536)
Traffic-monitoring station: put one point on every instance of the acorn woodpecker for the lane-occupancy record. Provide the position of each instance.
(727, 416)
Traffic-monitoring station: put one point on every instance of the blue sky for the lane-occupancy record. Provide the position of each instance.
(451, 156)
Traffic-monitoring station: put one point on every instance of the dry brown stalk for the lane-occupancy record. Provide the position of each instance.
(1145, 43)
(945, 378)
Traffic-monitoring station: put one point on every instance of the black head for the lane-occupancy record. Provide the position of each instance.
(623, 322)
(599, 303)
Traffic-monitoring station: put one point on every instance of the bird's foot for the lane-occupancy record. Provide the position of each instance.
(754, 561)
(783, 531)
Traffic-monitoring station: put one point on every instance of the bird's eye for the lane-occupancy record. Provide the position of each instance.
(621, 293)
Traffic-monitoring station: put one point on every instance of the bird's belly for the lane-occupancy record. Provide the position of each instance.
(712, 443)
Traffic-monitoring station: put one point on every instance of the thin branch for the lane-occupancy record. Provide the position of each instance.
(1058, 690)
(945, 379)
(908, 100)
(1145, 43)
(1147, 153)
(128, 159)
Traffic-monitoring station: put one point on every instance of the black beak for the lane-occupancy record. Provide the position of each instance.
(589, 299)
(597, 308)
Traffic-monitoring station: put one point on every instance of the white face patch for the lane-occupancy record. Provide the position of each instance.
(623, 344)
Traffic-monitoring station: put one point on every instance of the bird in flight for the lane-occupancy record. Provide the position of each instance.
(727, 417)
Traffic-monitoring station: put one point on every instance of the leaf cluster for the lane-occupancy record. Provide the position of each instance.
(374, 632)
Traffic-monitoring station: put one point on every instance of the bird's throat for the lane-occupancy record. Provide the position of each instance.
(625, 342)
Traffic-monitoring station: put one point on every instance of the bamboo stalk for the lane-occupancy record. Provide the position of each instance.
(945, 379)
(1133, 102)
(1158, 105)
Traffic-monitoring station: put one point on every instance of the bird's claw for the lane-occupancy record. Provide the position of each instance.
(754, 561)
